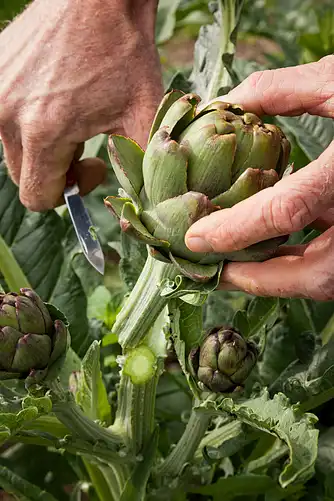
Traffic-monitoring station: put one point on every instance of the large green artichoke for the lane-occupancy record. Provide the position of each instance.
(224, 360)
(195, 163)
(31, 342)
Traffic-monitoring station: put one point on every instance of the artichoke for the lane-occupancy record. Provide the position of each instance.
(195, 163)
(31, 342)
(224, 360)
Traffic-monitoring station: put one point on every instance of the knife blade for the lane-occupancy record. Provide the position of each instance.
(84, 227)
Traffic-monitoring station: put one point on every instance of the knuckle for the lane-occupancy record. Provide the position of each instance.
(326, 64)
(285, 215)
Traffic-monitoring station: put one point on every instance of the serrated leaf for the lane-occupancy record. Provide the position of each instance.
(278, 417)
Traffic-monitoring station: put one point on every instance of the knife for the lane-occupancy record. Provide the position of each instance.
(82, 224)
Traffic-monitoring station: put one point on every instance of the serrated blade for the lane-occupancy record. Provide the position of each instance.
(84, 228)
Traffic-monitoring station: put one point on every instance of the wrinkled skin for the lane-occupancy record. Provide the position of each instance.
(71, 69)
(305, 198)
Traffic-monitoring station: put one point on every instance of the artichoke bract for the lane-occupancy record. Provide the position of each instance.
(31, 341)
(224, 360)
(195, 163)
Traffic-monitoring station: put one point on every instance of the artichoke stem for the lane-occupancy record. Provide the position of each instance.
(71, 415)
(135, 417)
(186, 447)
(144, 304)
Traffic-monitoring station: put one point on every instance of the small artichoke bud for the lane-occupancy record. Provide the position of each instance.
(224, 360)
(31, 340)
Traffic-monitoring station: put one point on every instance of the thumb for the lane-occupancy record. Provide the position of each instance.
(290, 205)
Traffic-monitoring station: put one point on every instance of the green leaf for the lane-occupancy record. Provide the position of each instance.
(262, 312)
(278, 417)
(220, 307)
(313, 133)
(226, 440)
(186, 330)
(299, 316)
(216, 44)
(239, 485)
(90, 391)
(21, 488)
(133, 258)
(279, 352)
(166, 20)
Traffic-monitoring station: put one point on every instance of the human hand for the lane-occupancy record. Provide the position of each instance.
(72, 69)
(296, 201)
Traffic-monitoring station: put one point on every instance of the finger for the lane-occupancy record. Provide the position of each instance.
(289, 91)
(43, 175)
(88, 173)
(12, 153)
(308, 274)
(290, 205)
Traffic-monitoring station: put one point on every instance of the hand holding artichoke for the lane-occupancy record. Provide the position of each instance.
(195, 163)
(30, 340)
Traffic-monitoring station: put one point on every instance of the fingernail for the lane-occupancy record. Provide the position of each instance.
(197, 244)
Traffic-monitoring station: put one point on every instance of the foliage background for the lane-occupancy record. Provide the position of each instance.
(298, 356)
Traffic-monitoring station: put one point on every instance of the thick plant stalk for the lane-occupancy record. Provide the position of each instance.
(135, 411)
(108, 481)
(186, 446)
(71, 415)
(144, 304)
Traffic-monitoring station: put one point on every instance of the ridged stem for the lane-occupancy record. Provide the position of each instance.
(144, 304)
(71, 415)
(136, 410)
(186, 446)
(108, 481)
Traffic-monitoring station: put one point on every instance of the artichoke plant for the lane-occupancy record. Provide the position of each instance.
(31, 341)
(224, 360)
(195, 163)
